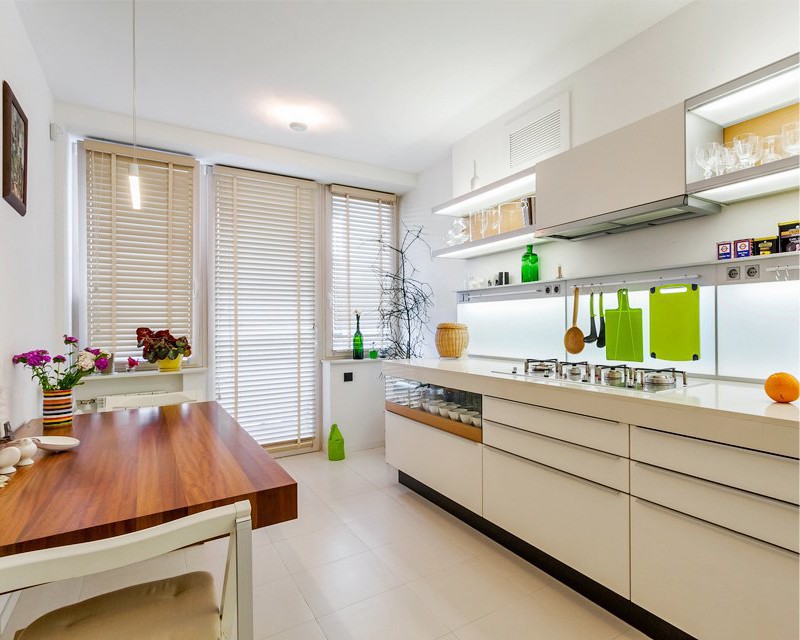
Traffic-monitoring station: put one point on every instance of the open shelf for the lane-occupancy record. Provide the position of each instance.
(517, 185)
(755, 182)
(455, 427)
(495, 244)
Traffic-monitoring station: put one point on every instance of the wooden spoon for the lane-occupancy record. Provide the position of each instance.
(573, 338)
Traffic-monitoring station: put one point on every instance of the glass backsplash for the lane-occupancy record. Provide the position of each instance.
(746, 331)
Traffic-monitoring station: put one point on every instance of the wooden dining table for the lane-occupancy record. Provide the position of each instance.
(136, 469)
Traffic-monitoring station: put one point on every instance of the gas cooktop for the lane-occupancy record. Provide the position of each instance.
(602, 375)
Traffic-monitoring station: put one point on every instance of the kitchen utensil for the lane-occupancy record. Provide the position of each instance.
(55, 443)
(601, 337)
(624, 331)
(573, 338)
(592, 337)
(675, 322)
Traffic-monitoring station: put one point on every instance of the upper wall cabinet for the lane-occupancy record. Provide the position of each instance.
(632, 177)
(743, 137)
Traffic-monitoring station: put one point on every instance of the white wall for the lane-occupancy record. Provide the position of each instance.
(697, 48)
(356, 406)
(27, 244)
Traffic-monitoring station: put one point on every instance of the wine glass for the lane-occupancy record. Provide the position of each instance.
(706, 155)
(748, 149)
(727, 159)
(790, 137)
(495, 218)
(484, 219)
(771, 150)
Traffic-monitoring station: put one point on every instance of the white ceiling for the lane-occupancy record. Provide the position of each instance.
(395, 83)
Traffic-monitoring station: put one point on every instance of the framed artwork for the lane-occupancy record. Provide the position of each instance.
(15, 152)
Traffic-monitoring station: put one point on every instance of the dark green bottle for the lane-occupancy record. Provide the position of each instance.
(530, 265)
(358, 341)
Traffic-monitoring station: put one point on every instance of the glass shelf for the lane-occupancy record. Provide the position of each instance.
(494, 244)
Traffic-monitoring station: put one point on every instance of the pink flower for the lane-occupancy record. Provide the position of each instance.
(70, 339)
(59, 359)
(132, 363)
(94, 352)
(101, 364)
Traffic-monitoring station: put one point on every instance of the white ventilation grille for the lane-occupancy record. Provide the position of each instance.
(539, 134)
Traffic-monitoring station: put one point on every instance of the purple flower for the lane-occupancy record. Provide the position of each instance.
(70, 339)
(101, 363)
(94, 352)
(59, 359)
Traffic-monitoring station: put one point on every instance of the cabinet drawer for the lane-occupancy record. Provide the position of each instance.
(583, 524)
(712, 583)
(449, 464)
(599, 466)
(769, 520)
(605, 435)
(763, 473)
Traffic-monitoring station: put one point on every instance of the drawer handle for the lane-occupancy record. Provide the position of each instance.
(535, 434)
(559, 471)
(711, 525)
(550, 410)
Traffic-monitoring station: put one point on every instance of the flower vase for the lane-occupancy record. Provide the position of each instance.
(170, 364)
(57, 408)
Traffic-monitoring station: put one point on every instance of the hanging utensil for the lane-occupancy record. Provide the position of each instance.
(675, 322)
(601, 337)
(624, 331)
(592, 337)
(573, 338)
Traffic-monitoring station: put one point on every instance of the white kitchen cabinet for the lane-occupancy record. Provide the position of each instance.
(445, 462)
(640, 163)
(581, 523)
(596, 433)
(711, 582)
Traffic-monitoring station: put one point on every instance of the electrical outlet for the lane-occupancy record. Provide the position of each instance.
(348, 376)
(753, 272)
(733, 273)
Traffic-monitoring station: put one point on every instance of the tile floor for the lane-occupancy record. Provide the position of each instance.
(370, 560)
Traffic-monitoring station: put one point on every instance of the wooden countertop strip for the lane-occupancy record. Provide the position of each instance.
(438, 422)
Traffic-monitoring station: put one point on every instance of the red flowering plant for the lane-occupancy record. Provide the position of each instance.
(62, 371)
(161, 345)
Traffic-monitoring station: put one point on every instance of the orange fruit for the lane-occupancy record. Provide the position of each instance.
(782, 387)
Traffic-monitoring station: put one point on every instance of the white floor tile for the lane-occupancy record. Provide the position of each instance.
(313, 515)
(465, 592)
(339, 584)
(383, 527)
(278, 606)
(420, 555)
(545, 615)
(331, 484)
(519, 572)
(362, 505)
(307, 631)
(394, 615)
(319, 547)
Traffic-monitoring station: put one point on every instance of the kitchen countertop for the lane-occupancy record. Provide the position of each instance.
(736, 413)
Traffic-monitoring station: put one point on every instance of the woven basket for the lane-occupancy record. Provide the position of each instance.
(452, 339)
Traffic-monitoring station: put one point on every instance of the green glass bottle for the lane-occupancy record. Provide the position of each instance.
(358, 340)
(530, 265)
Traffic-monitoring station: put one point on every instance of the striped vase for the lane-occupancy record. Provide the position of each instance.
(57, 408)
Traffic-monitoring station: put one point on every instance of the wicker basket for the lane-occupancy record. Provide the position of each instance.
(452, 339)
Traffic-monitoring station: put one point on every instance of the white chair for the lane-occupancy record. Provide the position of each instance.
(183, 607)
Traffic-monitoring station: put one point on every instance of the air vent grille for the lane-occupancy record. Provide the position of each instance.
(539, 139)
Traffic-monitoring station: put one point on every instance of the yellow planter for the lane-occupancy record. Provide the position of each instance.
(170, 365)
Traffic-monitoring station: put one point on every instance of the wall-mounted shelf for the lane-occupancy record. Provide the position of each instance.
(495, 244)
(755, 182)
(517, 185)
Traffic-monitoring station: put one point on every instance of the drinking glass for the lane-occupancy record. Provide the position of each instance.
(706, 156)
(727, 159)
(772, 149)
(484, 219)
(748, 149)
(790, 137)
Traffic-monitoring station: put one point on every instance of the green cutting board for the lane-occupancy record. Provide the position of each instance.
(675, 322)
(624, 331)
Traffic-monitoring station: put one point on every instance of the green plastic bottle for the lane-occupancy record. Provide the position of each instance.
(358, 340)
(335, 444)
(530, 265)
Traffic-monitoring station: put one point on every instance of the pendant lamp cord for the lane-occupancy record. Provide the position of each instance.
(133, 14)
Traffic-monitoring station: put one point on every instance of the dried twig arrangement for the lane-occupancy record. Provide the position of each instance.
(406, 301)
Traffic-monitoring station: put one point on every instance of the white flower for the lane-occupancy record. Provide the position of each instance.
(85, 361)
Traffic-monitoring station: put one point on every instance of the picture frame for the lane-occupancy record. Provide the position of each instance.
(15, 152)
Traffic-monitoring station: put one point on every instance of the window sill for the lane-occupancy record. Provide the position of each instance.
(124, 375)
(351, 361)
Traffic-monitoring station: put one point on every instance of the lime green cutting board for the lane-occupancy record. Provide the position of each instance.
(624, 331)
(675, 322)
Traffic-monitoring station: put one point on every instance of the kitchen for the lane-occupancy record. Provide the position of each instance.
(665, 500)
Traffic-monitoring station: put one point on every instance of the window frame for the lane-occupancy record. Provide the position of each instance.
(79, 288)
(327, 261)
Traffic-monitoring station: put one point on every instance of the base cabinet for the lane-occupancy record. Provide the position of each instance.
(711, 582)
(579, 522)
(451, 465)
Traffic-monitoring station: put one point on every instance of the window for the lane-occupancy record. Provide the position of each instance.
(138, 265)
(265, 351)
(359, 219)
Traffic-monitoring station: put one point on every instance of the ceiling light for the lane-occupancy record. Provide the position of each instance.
(298, 126)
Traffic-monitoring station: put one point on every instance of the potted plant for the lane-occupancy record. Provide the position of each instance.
(162, 347)
(58, 375)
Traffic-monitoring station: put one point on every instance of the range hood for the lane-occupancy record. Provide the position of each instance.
(682, 207)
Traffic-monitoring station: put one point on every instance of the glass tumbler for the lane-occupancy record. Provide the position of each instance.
(706, 156)
(790, 137)
(772, 149)
(748, 149)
